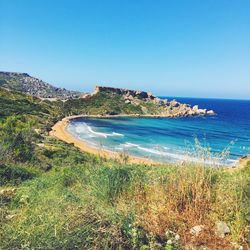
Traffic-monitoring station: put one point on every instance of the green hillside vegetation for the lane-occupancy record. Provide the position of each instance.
(110, 103)
(52, 196)
(14, 103)
(101, 104)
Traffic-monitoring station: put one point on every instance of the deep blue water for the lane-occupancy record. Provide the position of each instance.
(222, 138)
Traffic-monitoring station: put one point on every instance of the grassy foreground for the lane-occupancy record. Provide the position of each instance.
(52, 196)
(86, 202)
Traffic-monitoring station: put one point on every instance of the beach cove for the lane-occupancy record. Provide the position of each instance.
(153, 136)
(59, 130)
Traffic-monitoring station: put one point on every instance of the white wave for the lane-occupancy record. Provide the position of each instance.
(97, 133)
(80, 129)
(84, 128)
(150, 150)
(105, 135)
(179, 156)
(117, 134)
(128, 145)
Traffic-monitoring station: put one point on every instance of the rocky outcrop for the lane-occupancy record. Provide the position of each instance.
(152, 105)
(130, 94)
(22, 82)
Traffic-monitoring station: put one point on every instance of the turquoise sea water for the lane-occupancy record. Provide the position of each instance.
(223, 138)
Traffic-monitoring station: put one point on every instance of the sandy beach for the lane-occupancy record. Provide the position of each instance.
(60, 132)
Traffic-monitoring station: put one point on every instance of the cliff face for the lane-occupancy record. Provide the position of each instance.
(22, 82)
(152, 105)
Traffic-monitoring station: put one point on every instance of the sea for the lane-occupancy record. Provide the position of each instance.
(218, 140)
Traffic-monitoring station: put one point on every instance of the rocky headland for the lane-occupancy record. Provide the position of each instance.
(152, 105)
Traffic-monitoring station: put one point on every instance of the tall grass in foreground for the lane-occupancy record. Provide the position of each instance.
(102, 204)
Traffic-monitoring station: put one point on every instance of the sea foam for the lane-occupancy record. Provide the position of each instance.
(83, 128)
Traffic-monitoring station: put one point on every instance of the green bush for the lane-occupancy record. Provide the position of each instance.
(14, 175)
(17, 139)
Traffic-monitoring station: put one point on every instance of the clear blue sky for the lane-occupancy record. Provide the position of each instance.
(171, 47)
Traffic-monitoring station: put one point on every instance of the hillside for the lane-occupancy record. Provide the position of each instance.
(103, 101)
(22, 82)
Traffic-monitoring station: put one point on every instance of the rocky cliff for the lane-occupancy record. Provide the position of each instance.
(22, 82)
(152, 105)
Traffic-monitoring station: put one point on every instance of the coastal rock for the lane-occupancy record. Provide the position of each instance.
(150, 95)
(125, 92)
(190, 112)
(195, 107)
(202, 111)
(157, 100)
(165, 102)
(174, 103)
(157, 106)
(210, 112)
(141, 94)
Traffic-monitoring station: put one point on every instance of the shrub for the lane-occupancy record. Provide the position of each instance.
(17, 139)
(14, 174)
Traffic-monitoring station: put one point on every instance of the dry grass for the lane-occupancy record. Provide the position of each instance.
(107, 205)
(190, 196)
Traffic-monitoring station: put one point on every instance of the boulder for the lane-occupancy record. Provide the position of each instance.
(210, 112)
(8, 193)
(202, 111)
(130, 97)
(221, 229)
(190, 112)
(141, 94)
(196, 230)
(10, 216)
(195, 107)
(150, 95)
(165, 101)
(174, 103)
(157, 100)
(127, 101)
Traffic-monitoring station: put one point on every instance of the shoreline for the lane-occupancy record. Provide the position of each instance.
(59, 130)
